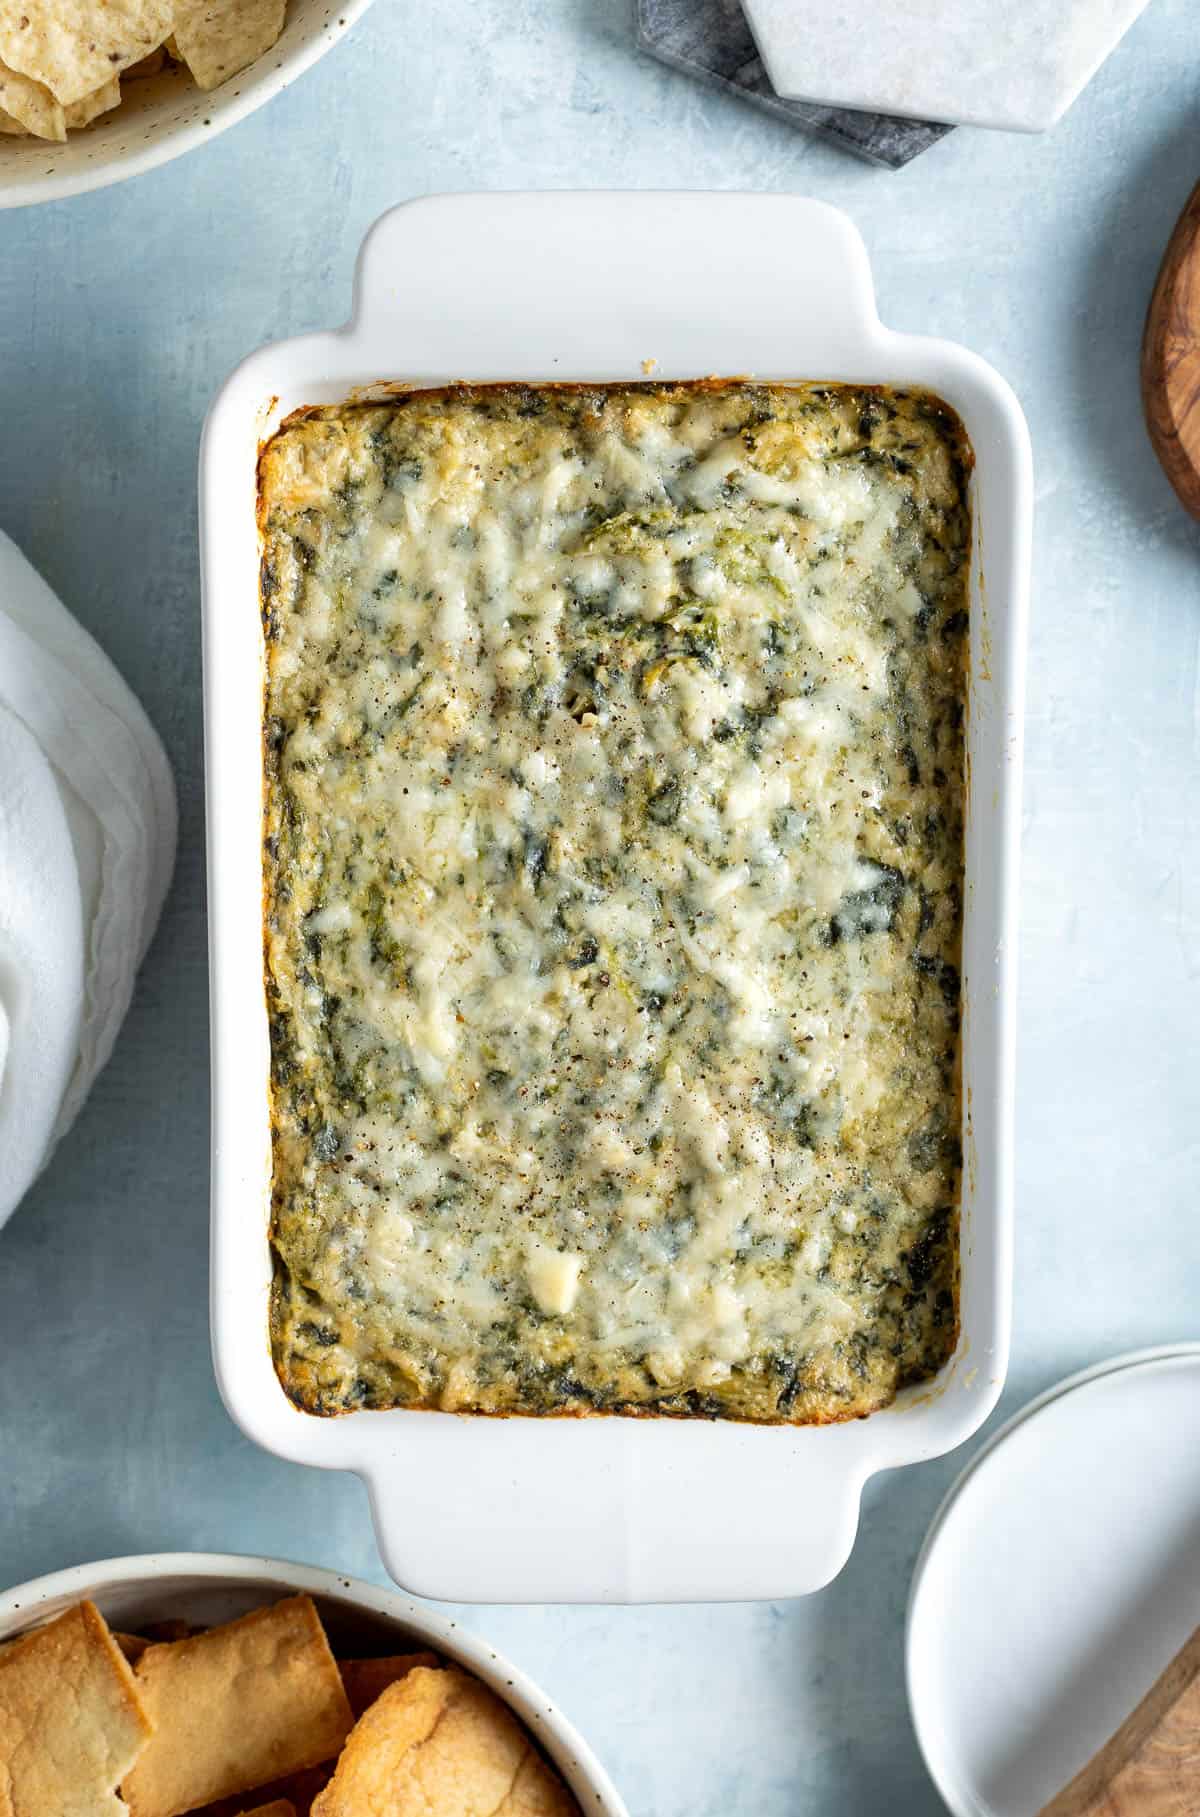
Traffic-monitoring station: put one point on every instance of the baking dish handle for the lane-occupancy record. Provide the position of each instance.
(613, 1510)
(780, 276)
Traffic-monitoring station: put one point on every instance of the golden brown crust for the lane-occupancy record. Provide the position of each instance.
(439, 1744)
(235, 1708)
(387, 1060)
(71, 1720)
(367, 1679)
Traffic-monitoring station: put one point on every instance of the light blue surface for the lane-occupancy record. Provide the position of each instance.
(119, 315)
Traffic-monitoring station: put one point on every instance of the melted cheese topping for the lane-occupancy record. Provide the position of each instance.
(614, 873)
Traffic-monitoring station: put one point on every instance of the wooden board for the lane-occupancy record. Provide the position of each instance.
(1171, 359)
(1151, 1766)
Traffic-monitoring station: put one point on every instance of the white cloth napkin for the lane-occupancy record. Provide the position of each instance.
(87, 846)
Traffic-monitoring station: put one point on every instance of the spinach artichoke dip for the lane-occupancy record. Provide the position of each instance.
(613, 896)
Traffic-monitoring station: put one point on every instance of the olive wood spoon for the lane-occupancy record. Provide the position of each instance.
(1171, 359)
(1151, 1766)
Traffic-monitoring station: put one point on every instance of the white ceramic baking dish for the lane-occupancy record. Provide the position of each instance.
(206, 1588)
(595, 287)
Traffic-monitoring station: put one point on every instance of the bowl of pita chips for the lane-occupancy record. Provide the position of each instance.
(93, 91)
(247, 1687)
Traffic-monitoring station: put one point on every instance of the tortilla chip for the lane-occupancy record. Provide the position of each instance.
(71, 1721)
(132, 1645)
(217, 38)
(278, 1807)
(235, 1708)
(14, 127)
(367, 1679)
(82, 113)
(439, 1741)
(31, 105)
(76, 46)
(147, 66)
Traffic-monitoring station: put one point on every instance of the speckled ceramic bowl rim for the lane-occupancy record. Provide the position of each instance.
(28, 1604)
(82, 164)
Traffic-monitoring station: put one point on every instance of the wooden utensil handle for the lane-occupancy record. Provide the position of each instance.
(1151, 1766)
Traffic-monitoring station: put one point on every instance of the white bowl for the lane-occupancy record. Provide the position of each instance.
(161, 117)
(456, 287)
(210, 1587)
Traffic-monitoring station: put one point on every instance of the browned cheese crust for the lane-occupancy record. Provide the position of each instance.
(613, 860)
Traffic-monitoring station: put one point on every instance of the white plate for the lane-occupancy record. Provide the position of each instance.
(454, 287)
(1018, 66)
(162, 116)
(211, 1587)
(1060, 1576)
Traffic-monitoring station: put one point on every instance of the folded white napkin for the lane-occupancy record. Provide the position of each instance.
(87, 845)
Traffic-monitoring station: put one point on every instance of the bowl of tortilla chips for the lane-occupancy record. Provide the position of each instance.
(223, 1686)
(93, 91)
